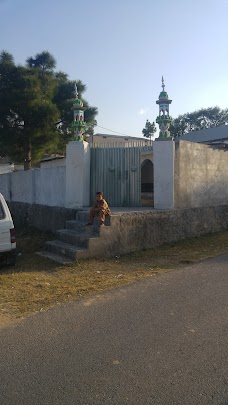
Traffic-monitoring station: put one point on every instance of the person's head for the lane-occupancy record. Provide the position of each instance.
(99, 195)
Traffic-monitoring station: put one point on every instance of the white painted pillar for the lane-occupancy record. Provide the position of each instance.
(77, 175)
(163, 152)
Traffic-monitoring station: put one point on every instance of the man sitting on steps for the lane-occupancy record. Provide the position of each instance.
(100, 209)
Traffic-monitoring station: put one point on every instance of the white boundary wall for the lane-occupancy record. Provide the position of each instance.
(50, 186)
(59, 186)
(38, 186)
(5, 185)
(21, 186)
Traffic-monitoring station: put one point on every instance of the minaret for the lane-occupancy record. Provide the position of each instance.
(78, 124)
(164, 119)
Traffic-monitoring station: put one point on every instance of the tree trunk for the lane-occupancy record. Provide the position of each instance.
(28, 157)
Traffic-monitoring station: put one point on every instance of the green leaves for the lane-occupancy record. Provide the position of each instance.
(43, 61)
(6, 58)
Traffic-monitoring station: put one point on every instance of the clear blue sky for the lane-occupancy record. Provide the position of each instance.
(121, 48)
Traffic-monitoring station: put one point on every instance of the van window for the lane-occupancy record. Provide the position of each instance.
(2, 213)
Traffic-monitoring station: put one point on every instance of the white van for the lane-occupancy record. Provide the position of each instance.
(7, 234)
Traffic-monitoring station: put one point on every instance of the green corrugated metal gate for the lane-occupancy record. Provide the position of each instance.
(117, 172)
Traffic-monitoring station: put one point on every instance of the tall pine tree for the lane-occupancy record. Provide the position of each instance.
(35, 108)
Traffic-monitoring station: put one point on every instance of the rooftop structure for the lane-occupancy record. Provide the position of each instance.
(217, 136)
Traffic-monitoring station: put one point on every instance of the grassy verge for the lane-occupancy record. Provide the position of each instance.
(35, 283)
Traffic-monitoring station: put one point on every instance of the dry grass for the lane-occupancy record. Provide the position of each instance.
(35, 283)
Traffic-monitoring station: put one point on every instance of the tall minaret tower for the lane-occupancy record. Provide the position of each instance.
(78, 124)
(164, 119)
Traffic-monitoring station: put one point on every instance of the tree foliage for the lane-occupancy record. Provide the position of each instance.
(44, 61)
(197, 120)
(149, 130)
(35, 108)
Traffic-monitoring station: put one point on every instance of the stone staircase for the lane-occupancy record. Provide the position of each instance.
(77, 241)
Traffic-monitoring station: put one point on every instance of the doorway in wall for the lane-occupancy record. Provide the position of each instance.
(147, 183)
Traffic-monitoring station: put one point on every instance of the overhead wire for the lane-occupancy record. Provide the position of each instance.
(112, 131)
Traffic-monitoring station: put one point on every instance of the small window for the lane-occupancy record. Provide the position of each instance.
(2, 213)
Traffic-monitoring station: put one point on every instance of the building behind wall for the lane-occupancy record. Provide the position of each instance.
(105, 138)
(6, 166)
(216, 137)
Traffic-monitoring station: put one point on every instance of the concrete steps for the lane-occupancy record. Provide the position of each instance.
(82, 216)
(77, 241)
(73, 237)
(80, 227)
(66, 250)
(56, 258)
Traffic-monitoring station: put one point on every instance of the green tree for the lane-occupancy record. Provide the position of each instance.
(200, 119)
(44, 64)
(27, 116)
(35, 108)
(149, 130)
(7, 58)
(44, 61)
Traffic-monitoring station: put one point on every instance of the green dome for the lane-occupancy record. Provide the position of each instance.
(163, 94)
(78, 102)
